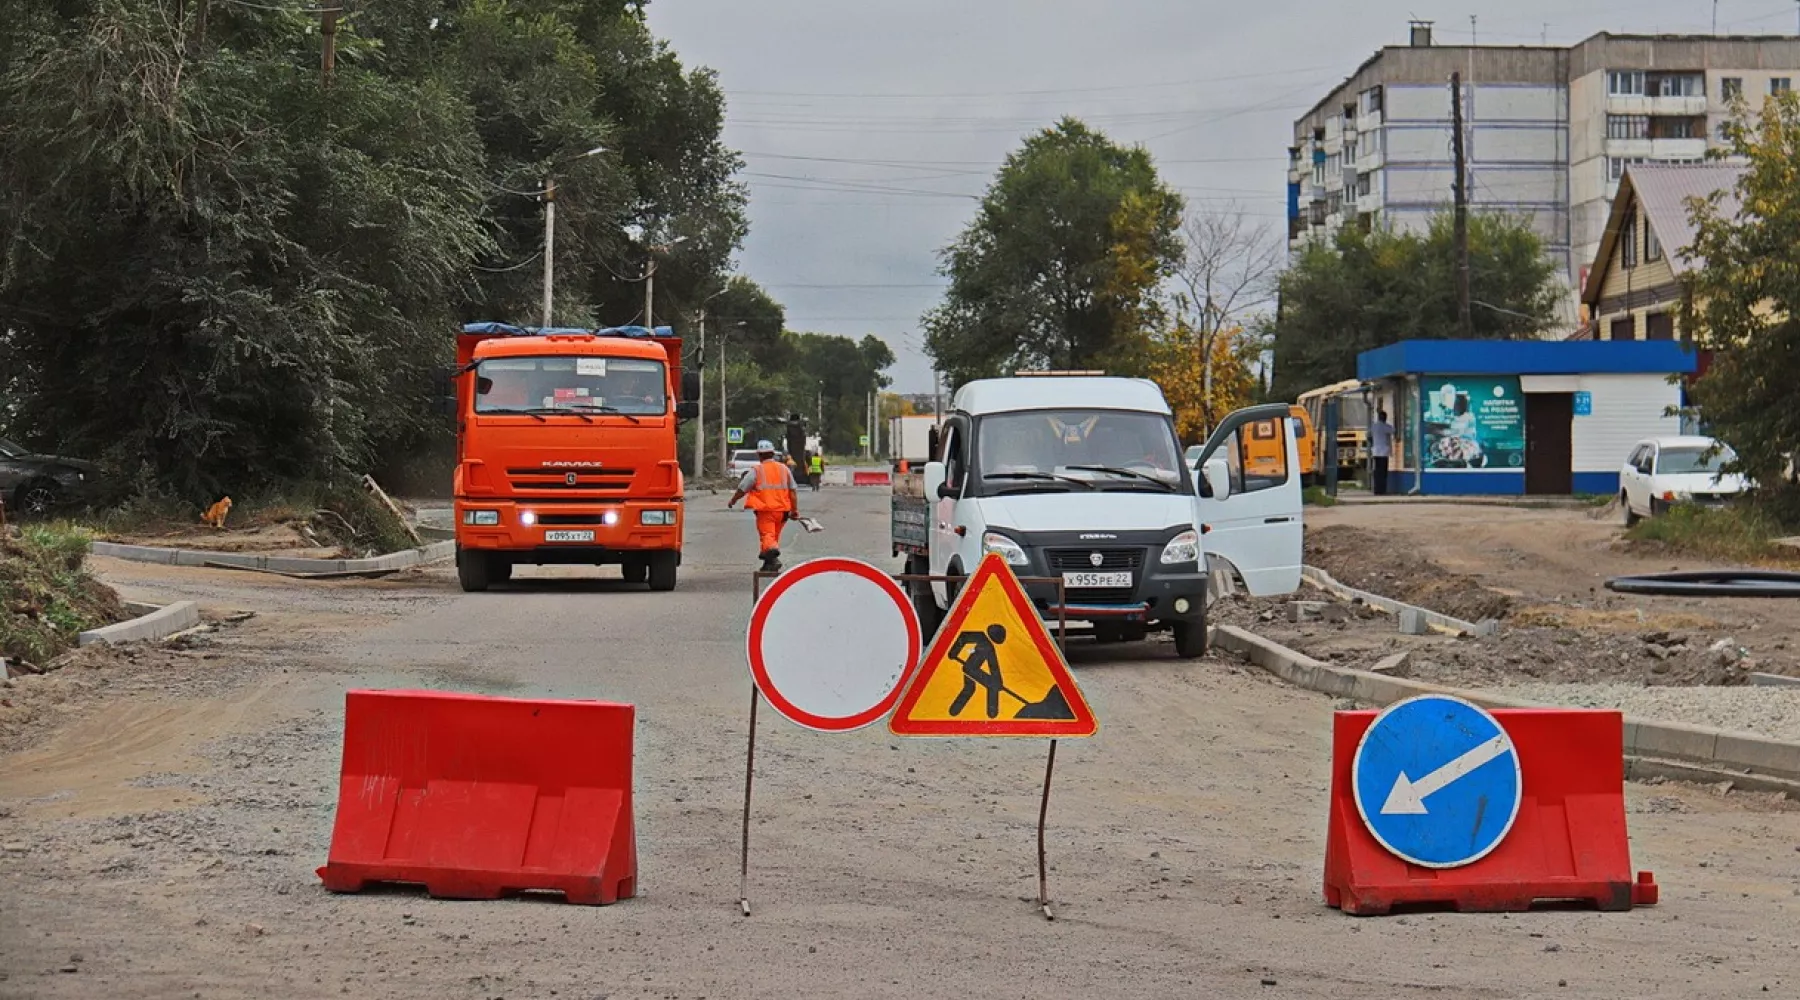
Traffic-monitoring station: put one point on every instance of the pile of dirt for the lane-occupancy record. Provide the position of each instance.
(1369, 561)
(1530, 649)
(47, 598)
(33, 703)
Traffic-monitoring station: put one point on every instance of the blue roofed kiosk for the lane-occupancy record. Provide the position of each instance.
(1531, 417)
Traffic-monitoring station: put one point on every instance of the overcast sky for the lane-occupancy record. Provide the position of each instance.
(869, 127)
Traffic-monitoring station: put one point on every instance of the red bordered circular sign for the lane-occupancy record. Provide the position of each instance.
(831, 644)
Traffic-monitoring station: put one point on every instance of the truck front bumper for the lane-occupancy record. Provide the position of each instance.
(604, 531)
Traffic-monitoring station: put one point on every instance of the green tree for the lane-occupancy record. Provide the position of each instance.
(1745, 301)
(1062, 263)
(1368, 290)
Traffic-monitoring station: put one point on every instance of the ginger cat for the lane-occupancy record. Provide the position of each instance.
(215, 515)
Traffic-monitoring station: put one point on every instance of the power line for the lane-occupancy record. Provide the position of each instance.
(890, 95)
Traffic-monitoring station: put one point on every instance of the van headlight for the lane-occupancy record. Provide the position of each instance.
(1005, 548)
(481, 518)
(1183, 548)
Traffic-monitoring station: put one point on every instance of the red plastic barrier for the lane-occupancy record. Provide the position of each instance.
(1567, 844)
(860, 477)
(476, 797)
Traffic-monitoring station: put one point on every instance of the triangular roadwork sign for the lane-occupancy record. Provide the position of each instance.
(993, 670)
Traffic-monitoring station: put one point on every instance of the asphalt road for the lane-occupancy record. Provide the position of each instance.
(167, 849)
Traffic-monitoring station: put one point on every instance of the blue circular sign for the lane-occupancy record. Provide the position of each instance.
(1436, 780)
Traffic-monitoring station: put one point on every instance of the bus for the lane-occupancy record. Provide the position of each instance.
(1353, 424)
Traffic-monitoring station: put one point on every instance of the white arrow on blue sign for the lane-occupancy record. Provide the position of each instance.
(1437, 782)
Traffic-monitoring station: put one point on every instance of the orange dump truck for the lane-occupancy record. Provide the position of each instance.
(565, 446)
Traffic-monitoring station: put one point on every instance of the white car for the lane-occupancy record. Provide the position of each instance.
(1665, 471)
(745, 460)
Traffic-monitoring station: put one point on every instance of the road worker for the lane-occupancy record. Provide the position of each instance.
(816, 473)
(773, 497)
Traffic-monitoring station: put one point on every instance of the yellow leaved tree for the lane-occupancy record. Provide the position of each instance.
(1178, 365)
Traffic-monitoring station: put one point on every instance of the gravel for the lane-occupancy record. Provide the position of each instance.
(1768, 712)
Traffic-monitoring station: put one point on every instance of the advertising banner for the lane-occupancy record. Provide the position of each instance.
(1473, 422)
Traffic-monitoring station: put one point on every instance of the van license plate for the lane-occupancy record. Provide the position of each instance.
(1097, 580)
(568, 536)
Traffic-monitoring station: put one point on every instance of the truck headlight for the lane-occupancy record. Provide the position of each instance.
(1005, 548)
(481, 518)
(611, 517)
(1183, 548)
(527, 518)
(657, 517)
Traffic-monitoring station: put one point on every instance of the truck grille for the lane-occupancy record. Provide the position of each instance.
(592, 478)
(1079, 559)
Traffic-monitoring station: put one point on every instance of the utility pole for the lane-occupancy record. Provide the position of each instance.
(700, 427)
(819, 428)
(328, 24)
(937, 397)
(650, 291)
(549, 246)
(724, 421)
(1460, 191)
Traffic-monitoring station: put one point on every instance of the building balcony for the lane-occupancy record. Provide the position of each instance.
(1368, 203)
(1617, 104)
(1369, 122)
(1656, 149)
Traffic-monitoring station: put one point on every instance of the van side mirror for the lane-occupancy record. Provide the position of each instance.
(690, 387)
(947, 491)
(934, 480)
(687, 409)
(1215, 480)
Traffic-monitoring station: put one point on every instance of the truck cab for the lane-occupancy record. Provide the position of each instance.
(566, 451)
(1082, 479)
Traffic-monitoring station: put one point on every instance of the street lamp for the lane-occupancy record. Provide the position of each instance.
(724, 421)
(650, 277)
(700, 369)
(549, 197)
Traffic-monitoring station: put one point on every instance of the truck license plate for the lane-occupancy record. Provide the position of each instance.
(568, 536)
(1097, 580)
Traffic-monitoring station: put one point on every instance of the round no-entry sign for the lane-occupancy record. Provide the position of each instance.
(831, 643)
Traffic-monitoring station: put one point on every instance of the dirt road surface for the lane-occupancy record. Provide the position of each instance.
(161, 828)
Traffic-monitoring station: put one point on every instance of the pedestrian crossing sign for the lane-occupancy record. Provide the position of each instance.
(993, 670)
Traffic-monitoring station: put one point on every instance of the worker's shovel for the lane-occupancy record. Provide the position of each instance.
(812, 527)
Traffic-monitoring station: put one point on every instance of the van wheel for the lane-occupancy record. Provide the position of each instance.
(1631, 517)
(1190, 639)
(923, 600)
(636, 570)
(473, 571)
(662, 570)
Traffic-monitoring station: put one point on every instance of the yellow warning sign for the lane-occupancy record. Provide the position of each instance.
(993, 670)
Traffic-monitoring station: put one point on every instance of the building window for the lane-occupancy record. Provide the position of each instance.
(1659, 326)
(1318, 173)
(1731, 88)
(1351, 154)
(1623, 328)
(1628, 249)
(1627, 126)
(1625, 83)
(1781, 85)
(1673, 128)
(1652, 246)
(1615, 167)
(1679, 85)
(1371, 101)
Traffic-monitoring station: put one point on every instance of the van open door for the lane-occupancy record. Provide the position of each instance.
(1249, 504)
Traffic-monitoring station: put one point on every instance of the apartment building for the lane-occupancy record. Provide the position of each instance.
(1548, 131)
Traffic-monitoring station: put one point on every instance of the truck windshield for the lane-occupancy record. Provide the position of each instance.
(585, 386)
(1107, 449)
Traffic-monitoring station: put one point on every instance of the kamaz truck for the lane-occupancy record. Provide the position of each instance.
(565, 447)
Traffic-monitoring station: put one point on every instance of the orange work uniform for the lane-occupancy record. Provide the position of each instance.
(772, 498)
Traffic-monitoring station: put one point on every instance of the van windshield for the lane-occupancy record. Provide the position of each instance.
(1079, 449)
(579, 385)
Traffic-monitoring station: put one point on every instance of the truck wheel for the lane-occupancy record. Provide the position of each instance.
(472, 571)
(1190, 639)
(662, 570)
(636, 570)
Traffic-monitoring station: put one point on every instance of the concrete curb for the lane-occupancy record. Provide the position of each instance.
(1456, 626)
(276, 564)
(153, 622)
(1656, 741)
